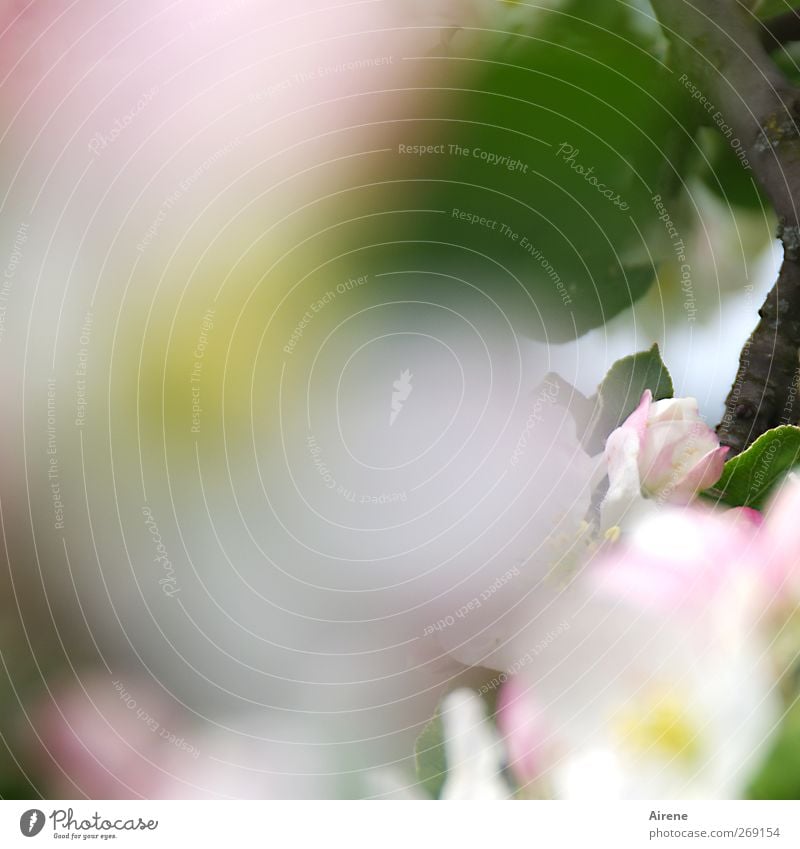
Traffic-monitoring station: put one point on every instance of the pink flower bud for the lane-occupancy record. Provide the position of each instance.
(668, 447)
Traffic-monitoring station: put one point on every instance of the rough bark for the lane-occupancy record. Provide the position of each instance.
(721, 46)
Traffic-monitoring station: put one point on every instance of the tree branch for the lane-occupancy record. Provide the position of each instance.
(717, 43)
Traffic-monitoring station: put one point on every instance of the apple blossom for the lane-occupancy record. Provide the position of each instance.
(648, 700)
(637, 693)
(688, 555)
(662, 451)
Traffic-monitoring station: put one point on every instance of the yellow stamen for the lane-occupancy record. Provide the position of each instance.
(660, 723)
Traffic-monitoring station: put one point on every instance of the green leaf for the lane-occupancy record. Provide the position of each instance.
(779, 776)
(550, 133)
(749, 478)
(770, 8)
(621, 391)
(725, 174)
(430, 756)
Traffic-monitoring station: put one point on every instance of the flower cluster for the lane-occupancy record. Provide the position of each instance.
(670, 680)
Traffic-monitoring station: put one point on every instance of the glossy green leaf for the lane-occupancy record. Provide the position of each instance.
(531, 166)
(749, 478)
(621, 391)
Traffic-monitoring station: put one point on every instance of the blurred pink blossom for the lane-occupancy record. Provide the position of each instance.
(521, 722)
(643, 692)
(126, 739)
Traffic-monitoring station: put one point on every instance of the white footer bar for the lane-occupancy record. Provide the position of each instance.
(402, 825)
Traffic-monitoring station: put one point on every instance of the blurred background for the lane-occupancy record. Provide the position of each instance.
(278, 279)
